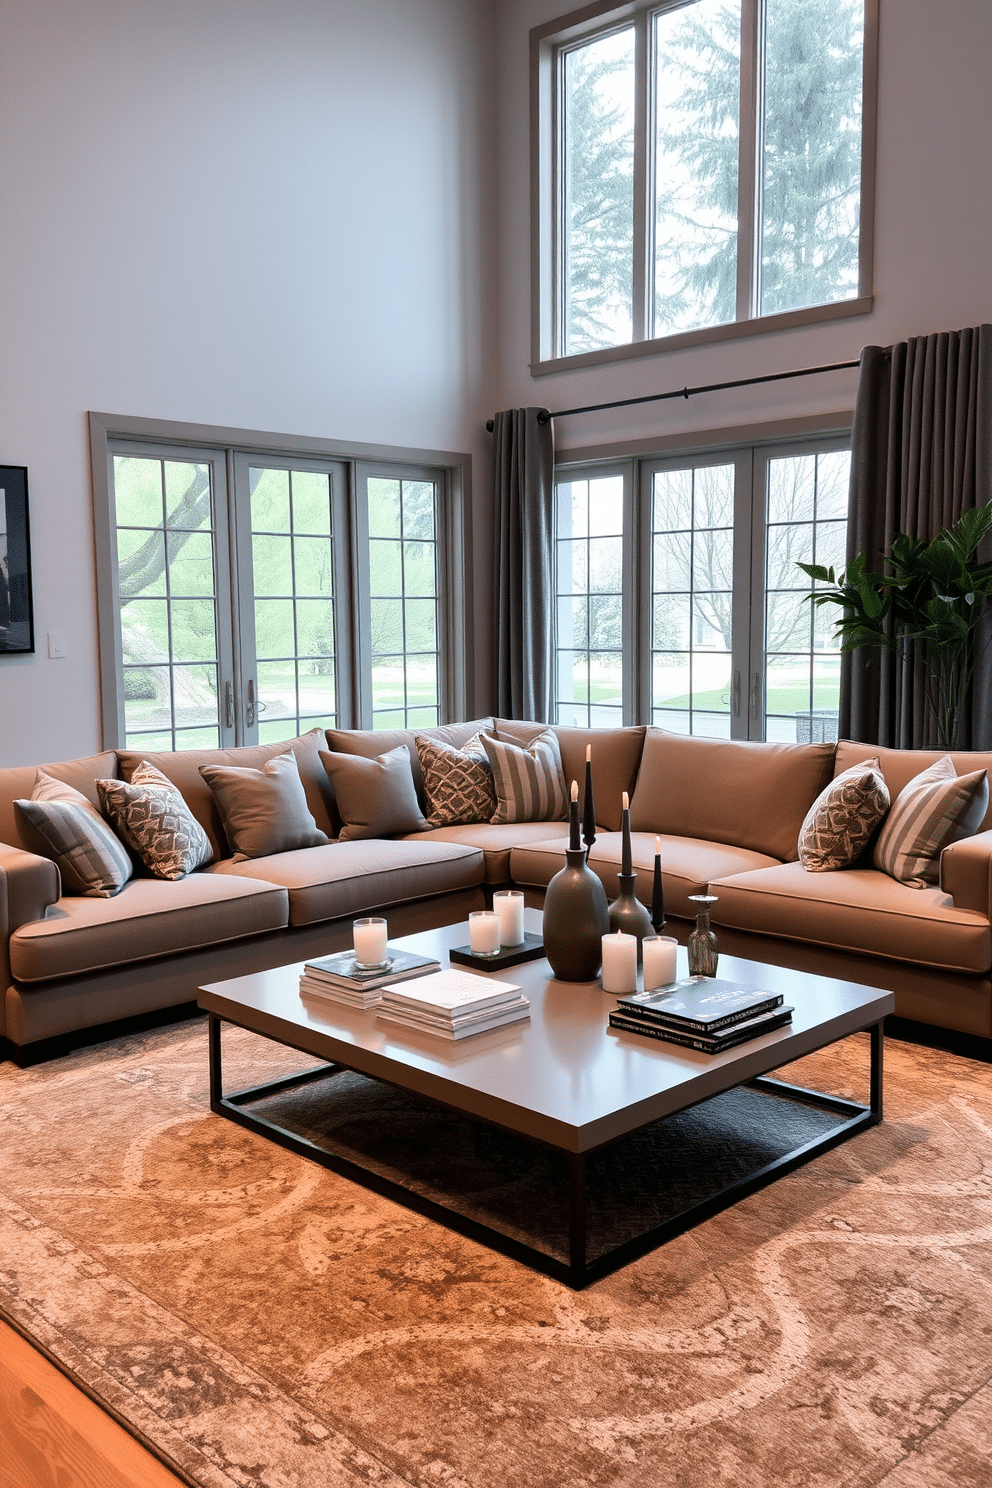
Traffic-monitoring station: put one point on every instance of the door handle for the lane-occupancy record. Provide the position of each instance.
(755, 695)
(228, 705)
(250, 704)
(737, 694)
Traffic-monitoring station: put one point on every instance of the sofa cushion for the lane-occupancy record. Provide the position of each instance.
(936, 808)
(152, 817)
(860, 910)
(616, 756)
(264, 811)
(182, 767)
(688, 865)
(728, 790)
(496, 842)
(375, 797)
(528, 781)
(91, 860)
(17, 782)
(842, 820)
(356, 878)
(149, 917)
(899, 766)
(458, 783)
(370, 743)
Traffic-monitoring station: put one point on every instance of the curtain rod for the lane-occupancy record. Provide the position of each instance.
(545, 416)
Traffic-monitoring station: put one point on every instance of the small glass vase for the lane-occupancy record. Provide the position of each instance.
(703, 954)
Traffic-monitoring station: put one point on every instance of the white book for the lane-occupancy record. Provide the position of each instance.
(426, 1018)
(450, 992)
(331, 993)
(497, 1018)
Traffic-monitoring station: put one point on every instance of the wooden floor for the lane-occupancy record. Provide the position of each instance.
(53, 1436)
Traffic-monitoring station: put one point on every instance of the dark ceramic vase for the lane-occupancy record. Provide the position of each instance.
(628, 914)
(575, 920)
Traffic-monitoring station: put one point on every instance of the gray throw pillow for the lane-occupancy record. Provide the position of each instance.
(60, 823)
(936, 808)
(375, 797)
(264, 811)
(153, 819)
(530, 783)
(840, 823)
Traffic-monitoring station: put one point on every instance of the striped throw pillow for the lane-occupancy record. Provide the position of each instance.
(67, 828)
(936, 808)
(530, 783)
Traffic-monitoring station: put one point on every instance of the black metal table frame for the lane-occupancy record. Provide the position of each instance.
(577, 1272)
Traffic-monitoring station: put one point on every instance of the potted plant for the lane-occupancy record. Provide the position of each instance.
(926, 607)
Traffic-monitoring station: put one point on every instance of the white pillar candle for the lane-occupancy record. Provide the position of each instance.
(483, 932)
(660, 963)
(370, 941)
(619, 964)
(509, 907)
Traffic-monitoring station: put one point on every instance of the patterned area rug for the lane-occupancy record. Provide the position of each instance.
(264, 1322)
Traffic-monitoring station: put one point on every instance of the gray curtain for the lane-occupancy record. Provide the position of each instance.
(524, 580)
(921, 455)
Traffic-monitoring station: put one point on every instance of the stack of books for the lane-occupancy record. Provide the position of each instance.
(341, 979)
(701, 1013)
(453, 1004)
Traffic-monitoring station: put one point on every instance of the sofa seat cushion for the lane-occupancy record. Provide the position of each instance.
(858, 909)
(357, 878)
(688, 865)
(149, 917)
(496, 842)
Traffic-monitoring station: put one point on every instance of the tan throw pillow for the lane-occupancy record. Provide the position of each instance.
(264, 811)
(151, 816)
(936, 808)
(376, 797)
(458, 783)
(530, 784)
(840, 822)
(61, 824)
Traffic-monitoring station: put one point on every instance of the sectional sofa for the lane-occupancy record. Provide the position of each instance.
(728, 814)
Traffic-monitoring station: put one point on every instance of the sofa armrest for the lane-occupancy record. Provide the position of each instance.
(966, 873)
(29, 884)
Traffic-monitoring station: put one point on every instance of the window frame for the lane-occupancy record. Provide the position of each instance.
(547, 46)
(230, 450)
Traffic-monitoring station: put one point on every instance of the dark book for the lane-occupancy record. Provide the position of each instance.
(743, 1033)
(703, 1004)
(341, 970)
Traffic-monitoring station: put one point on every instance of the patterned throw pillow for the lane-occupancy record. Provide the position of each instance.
(840, 822)
(67, 828)
(458, 783)
(936, 808)
(152, 817)
(530, 783)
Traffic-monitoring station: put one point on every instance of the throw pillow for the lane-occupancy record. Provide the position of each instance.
(936, 808)
(458, 783)
(375, 797)
(840, 822)
(264, 811)
(153, 819)
(529, 783)
(67, 828)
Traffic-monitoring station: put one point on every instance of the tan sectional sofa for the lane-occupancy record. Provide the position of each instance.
(728, 814)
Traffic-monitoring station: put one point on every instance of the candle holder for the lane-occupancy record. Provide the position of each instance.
(575, 920)
(628, 914)
(701, 945)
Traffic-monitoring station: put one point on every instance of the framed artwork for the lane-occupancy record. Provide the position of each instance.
(16, 615)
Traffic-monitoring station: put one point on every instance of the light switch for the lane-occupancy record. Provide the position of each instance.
(56, 644)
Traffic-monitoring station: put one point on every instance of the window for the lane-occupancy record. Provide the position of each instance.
(701, 165)
(250, 595)
(725, 641)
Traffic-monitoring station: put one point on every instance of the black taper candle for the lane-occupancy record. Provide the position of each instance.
(574, 842)
(658, 891)
(625, 854)
(588, 807)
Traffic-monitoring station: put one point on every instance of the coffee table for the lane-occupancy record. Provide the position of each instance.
(563, 1079)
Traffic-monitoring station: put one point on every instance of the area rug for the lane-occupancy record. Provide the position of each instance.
(261, 1321)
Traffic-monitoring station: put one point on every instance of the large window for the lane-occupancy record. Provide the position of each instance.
(684, 606)
(251, 595)
(699, 165)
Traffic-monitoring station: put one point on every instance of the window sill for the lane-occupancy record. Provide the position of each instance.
(788, 320)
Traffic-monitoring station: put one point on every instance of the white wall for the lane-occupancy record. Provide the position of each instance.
(933, 239)
(270, 216)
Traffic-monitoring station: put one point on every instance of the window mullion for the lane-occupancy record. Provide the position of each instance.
(643, 195)
(749, 173)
